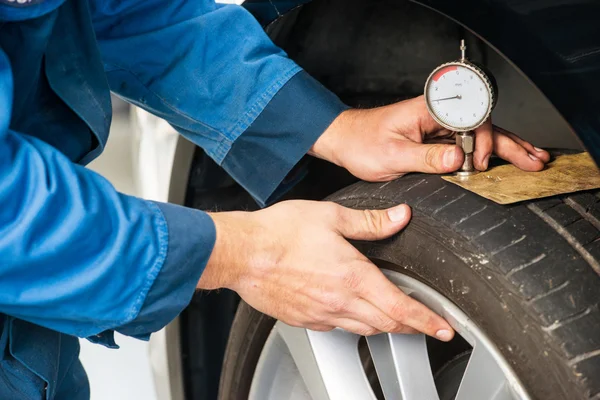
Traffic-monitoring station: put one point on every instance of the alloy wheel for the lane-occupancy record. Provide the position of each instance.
(298, 364)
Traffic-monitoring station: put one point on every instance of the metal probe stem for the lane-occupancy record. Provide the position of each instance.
(466, 141)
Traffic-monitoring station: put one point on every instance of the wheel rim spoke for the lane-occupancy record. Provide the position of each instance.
(403, 367)
(328, 362)
(483, 378)
(327, 366)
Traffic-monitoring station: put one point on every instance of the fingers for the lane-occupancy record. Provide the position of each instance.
(318, 327)
(371, 224)
(360, 328)
(508, 146)
(513, 152)
(399, 307)
(356, 327)
(428, 158)
(541, 154)
(366, 313)
(484, 145)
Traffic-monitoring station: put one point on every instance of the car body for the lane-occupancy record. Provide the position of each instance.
(554, 44)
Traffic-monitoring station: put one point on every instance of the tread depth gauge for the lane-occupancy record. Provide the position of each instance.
(460, 96)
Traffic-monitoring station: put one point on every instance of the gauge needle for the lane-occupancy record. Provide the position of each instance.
(449, 98)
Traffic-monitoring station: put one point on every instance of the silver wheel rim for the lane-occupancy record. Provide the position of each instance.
(298, 364)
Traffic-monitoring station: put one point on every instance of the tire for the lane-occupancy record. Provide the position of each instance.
(527, 274)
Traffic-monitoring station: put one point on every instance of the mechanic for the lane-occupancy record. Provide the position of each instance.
(79, 259)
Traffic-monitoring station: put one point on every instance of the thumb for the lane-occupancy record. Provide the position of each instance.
(429, 158)
(372, 224)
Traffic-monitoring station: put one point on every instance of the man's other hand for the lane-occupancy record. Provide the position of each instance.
(292, 261)
(384, 143)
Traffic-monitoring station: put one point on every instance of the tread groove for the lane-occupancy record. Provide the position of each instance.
(414, 185)
(512, 243)
(527, 264)
(568, 320)
(583, 212)
(567, 236)
(448, 203)
(464, 219)
(491, 228)
(429, 195)
(549, 292)
(582, 357)
(385, 184)
(553, 235)
(573, 222)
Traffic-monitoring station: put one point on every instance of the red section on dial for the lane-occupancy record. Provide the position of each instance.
(442, 71)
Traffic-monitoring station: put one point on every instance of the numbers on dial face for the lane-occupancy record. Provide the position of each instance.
(458, 97)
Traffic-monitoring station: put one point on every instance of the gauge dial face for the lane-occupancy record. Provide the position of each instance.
(458, 97)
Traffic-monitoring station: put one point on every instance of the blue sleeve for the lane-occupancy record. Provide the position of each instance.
(75, 255)
(213, 73)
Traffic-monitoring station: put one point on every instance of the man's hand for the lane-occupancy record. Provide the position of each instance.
(292, 261)
(385, 143)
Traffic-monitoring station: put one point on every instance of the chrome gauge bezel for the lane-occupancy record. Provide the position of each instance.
(486, 80)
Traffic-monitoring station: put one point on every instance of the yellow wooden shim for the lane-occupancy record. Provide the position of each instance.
(507, 184)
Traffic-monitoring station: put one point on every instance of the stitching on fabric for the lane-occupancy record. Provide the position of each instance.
(245, 121)
(226, 139)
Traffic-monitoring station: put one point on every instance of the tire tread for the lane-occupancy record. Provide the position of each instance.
(559, 285)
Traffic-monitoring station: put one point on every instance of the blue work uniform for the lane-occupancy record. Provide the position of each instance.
(78, 258)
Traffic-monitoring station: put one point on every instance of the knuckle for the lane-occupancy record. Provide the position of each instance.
(398, 310)
(431, 156)
(333, 209)
(320, 317)
(389, 325)
(372, 221)
(327, 211)
(368, 331)
(336, 305)
(353, 280)
(315, 317)
(431, 322)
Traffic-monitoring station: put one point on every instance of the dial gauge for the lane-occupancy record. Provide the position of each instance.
(459, 96)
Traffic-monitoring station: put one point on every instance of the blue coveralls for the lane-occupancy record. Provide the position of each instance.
(77, 258)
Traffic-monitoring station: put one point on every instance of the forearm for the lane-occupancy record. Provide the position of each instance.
(215, 75)
(81, 258)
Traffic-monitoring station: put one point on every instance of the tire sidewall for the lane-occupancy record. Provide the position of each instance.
(445, 261)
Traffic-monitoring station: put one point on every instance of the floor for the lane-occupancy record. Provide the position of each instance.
(122, 374)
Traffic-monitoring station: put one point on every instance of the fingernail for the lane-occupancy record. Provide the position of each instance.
(397, 213)
(444, 334)
(538, 149)
(534, 158)
(486, 161)
(449, 158)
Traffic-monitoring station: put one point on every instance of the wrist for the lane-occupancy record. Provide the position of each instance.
(328, 144)
(242, 246)
(223, 264)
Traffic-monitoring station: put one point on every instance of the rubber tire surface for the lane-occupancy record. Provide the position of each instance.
(527, 274)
